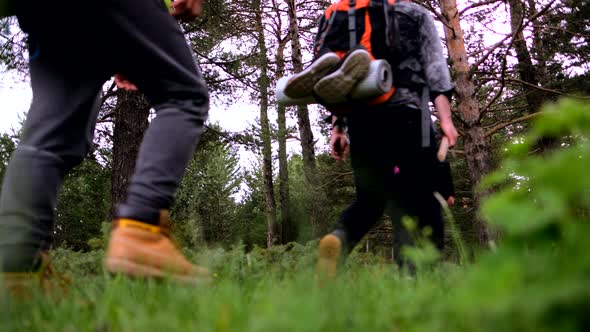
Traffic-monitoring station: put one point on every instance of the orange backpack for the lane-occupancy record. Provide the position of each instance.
(371, 24)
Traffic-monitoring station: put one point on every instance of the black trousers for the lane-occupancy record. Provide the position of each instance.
(74, 49)
(381, 139)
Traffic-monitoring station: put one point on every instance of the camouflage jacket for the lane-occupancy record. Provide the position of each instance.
(419, 57)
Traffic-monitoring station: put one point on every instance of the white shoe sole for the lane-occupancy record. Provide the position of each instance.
(301, 85)
(336, 87)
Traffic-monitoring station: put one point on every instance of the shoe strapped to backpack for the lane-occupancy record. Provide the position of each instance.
(365, 21)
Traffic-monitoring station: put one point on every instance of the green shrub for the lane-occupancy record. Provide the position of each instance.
(536, 280)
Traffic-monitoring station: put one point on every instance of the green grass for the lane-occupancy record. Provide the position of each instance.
(369, 299)
(509, 290)
(538, 278)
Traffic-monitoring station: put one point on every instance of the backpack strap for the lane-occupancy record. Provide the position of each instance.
(425, 118)
(386, 7)
(352, 23)
(395, 29)
(391, 27)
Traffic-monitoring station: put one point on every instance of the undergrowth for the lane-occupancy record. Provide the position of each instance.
(537, 279)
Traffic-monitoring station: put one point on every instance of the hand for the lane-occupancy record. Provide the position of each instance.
(123, 83)
(339, 145)
(186, 10)
(451, 201)
(449, 130)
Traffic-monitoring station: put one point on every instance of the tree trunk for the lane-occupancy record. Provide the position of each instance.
(130, 123)
(263, 84)
(539, 52)
(477, 148)
(318, 203)
(288, 232)
(526, 69)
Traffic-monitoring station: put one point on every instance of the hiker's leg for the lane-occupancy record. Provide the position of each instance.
(410, 192)
(56, 136)
(359, 218)
(427, 208)
(158, 60)
(362, 214)
(373, 169)
(431, 216)
(155, 56)
(66, 79)
(401, 235)
(425, 212)
(418, 182)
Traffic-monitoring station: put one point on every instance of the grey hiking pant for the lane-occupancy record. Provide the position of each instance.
(74, 49)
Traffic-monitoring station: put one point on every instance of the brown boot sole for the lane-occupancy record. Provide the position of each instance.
(132, 269)
(330, 247)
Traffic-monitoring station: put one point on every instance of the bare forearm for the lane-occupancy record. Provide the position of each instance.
(443, 108)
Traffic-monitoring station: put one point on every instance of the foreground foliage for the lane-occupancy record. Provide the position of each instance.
(535, 280)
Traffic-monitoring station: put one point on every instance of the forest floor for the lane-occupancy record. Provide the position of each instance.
(277, 291)
(536, 278)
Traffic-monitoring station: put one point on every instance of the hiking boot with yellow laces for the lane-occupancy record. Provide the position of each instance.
(331, 247)
(46, 279)
(139, 249)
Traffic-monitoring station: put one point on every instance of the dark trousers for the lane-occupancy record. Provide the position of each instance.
(382, 138)
(74, 49)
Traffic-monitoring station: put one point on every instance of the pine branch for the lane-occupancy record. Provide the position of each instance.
(475, 5)
(500, 126)
(519, 81)
(522, 26)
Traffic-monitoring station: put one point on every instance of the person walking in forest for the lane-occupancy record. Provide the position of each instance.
(73, 50)
(394, 133)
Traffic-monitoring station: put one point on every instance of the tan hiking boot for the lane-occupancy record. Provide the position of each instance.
(22, 285)
(330, 249)
(139, 249)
